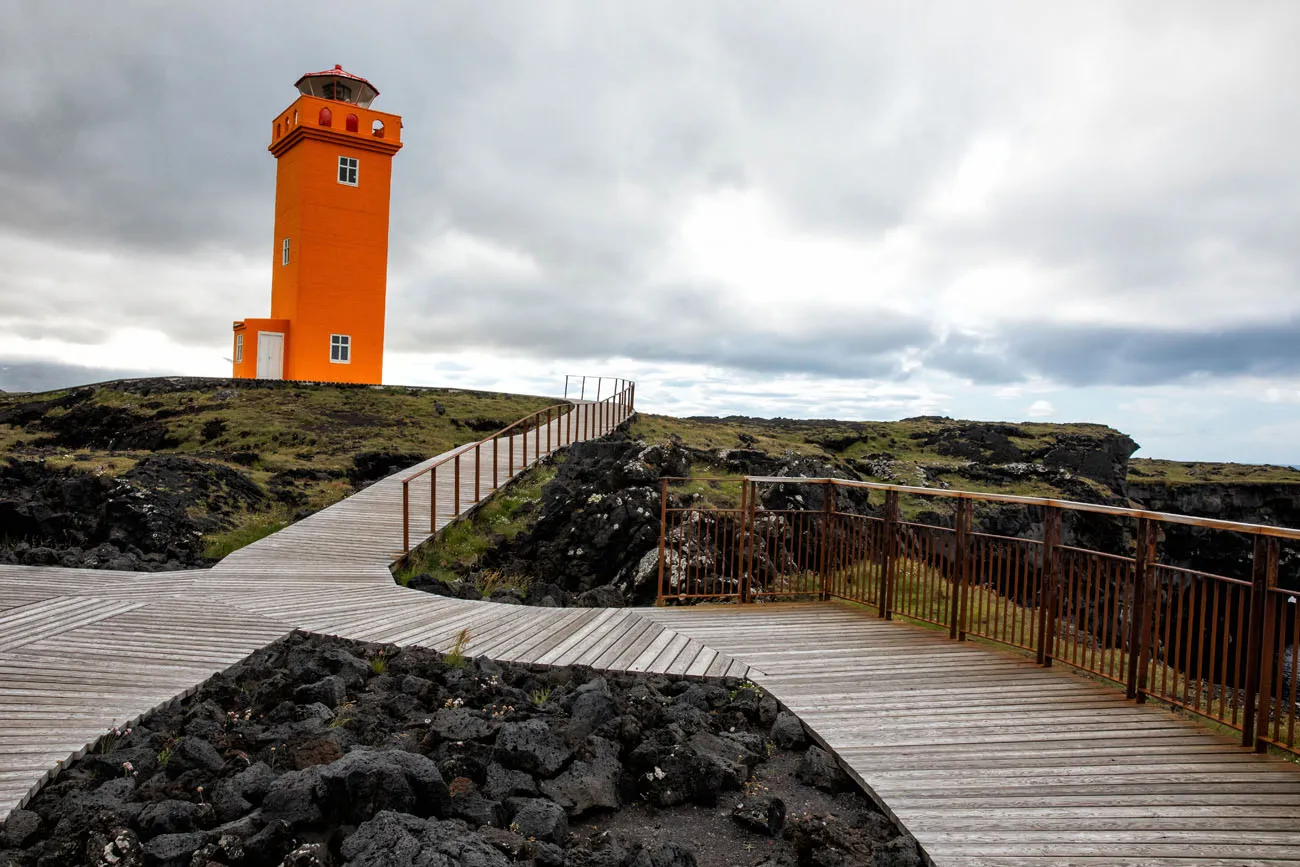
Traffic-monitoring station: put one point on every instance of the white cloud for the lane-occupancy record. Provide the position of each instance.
(1041, 409)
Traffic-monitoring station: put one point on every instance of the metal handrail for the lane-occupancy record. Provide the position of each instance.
(570, 405)
(1049, 502)
(1223, 648)
(599, 418)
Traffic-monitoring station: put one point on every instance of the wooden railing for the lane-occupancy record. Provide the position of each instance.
(1225, 648)
(480, 468)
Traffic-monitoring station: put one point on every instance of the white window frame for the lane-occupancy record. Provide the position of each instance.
(349, 167)
(343, 343)
(284, 253)
(239, 348)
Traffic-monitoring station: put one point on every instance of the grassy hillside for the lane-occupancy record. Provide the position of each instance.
(1151, 470)
(1034, 459)
(304, 446)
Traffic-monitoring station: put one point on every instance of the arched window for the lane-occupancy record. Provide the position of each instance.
(351, 123)
(277, 129)
(326, 117)
(378, 129)
(295, 118)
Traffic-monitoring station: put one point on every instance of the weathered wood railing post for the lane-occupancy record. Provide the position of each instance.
(1260, 569)
(433, 500)
(749, 514)
(663, 537)
(478, 471)
(960, 570)
(1140, 647)
(455, 481)
(1048, 593)
(889, 566)
(744, 540)
(1267, 645)
(406, 516)
(828, 519)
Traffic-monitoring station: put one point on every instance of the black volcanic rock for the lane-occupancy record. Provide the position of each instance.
(402, 790)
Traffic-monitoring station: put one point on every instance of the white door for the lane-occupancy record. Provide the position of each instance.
(270, 355)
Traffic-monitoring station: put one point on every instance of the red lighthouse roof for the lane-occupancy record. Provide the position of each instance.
(338, 83)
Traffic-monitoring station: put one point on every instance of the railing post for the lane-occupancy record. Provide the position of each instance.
(406, 516)
(742, 539)
(1144, 597)
(1268, 649)
(960, 567)
(583, 396)
(749, 516)
(890, 565)
(1254, 643)
(433, 501)
(828, 517)
(496, 462)
(478, 472)
(455, 480)
(523, 438)
(549, 410)
(510, 459)
(663, 537)
(537, 438)
(1047, 594)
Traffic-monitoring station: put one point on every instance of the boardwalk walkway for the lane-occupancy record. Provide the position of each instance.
(984, 757)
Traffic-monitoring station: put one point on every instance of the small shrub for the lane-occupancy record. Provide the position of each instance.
(456, 656)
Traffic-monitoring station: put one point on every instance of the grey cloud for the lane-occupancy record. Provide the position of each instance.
(579, 134)
(1131, 356)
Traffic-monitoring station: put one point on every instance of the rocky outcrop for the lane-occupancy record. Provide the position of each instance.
(235, 775)
(1215, 551)
(139, 521)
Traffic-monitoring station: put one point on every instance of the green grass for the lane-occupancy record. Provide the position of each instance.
(257, 526)
(1150, 470)
(313, 430)
(714, 488)
(462, 544)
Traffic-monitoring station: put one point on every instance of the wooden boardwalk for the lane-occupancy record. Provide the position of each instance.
(986, 758)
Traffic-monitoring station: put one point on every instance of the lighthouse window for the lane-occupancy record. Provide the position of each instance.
(336, 90)
(284, 252)
(348, 171)
(341, 348)
(239, 349)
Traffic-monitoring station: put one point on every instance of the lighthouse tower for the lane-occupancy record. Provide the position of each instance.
(333, 171)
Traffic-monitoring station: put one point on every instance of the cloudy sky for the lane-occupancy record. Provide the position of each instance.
(1081, 211)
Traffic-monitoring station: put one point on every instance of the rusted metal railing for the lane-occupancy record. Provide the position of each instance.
(1223, 647)
(549, 429)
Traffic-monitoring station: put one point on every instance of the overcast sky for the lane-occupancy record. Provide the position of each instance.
(1057, 211)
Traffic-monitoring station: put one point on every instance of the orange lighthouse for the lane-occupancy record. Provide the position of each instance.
(333, 174)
